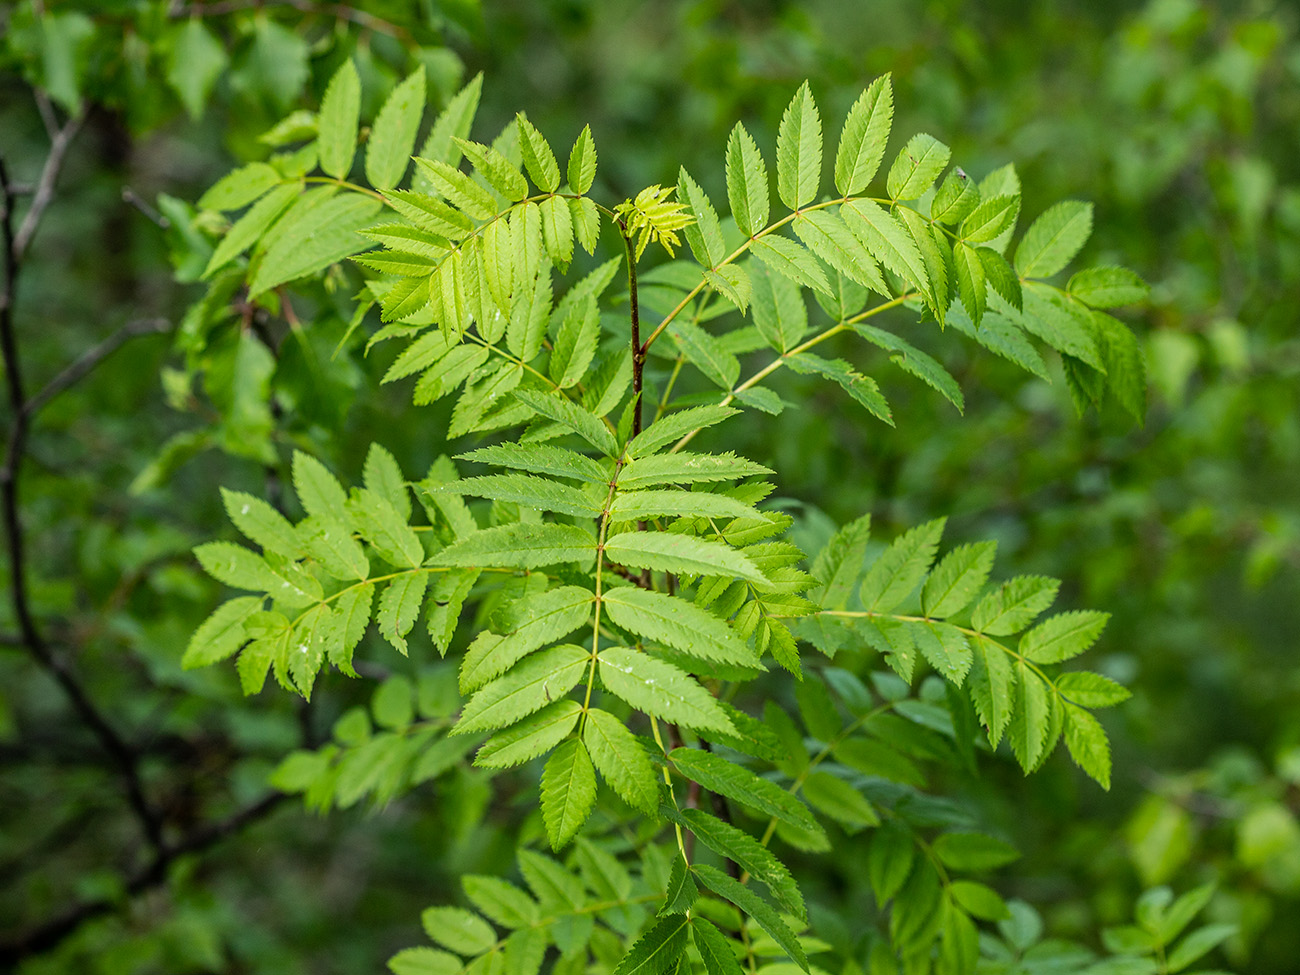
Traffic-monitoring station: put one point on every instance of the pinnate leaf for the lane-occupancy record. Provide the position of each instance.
(392, 137)
(677, 623)
(799, 151)
(620, 759)
(568, 791)
(1053, 239)
(864, 136)
(660, 689)
(740, 784)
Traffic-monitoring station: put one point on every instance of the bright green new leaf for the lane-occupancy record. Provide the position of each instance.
(539, 160)
(1053, 239)
(676, 622)
(682, 554)
(571, 416)
(621, 760)
(864, 136)
(537, 621)
(674, 426)
(886, 239)
(1014, 605)
(582, 162)
(1107, 287)
(799, 151)
(990, 219)
(527, 687)
(902, 567)
(957, 578)
(528, 489)
(1087, 744)
(535, 735)
(521, 546)
(458, 929)
(392, 137)
(340, 113)
(660, 689)
(747, 187)
(640, 505)
(1063, 636)
(704, 235)
(568, 791)
(1091, 690)
(917, 166)
(222, 633)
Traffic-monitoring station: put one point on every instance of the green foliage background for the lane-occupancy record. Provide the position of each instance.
(1177, 120)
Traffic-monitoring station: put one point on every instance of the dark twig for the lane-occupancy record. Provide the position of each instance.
(123, 755)
(131, 198)
(84, 364)
(51, 933)
(60, 140)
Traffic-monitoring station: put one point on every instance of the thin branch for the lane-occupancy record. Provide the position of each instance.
(84, 364)
(638, 353)
(122, 754)
(48, 935)
(60, 140)
(131, 198)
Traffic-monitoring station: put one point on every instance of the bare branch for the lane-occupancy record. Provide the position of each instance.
(126, 758)
(92, 357)
(60, 140)
(48, 935)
